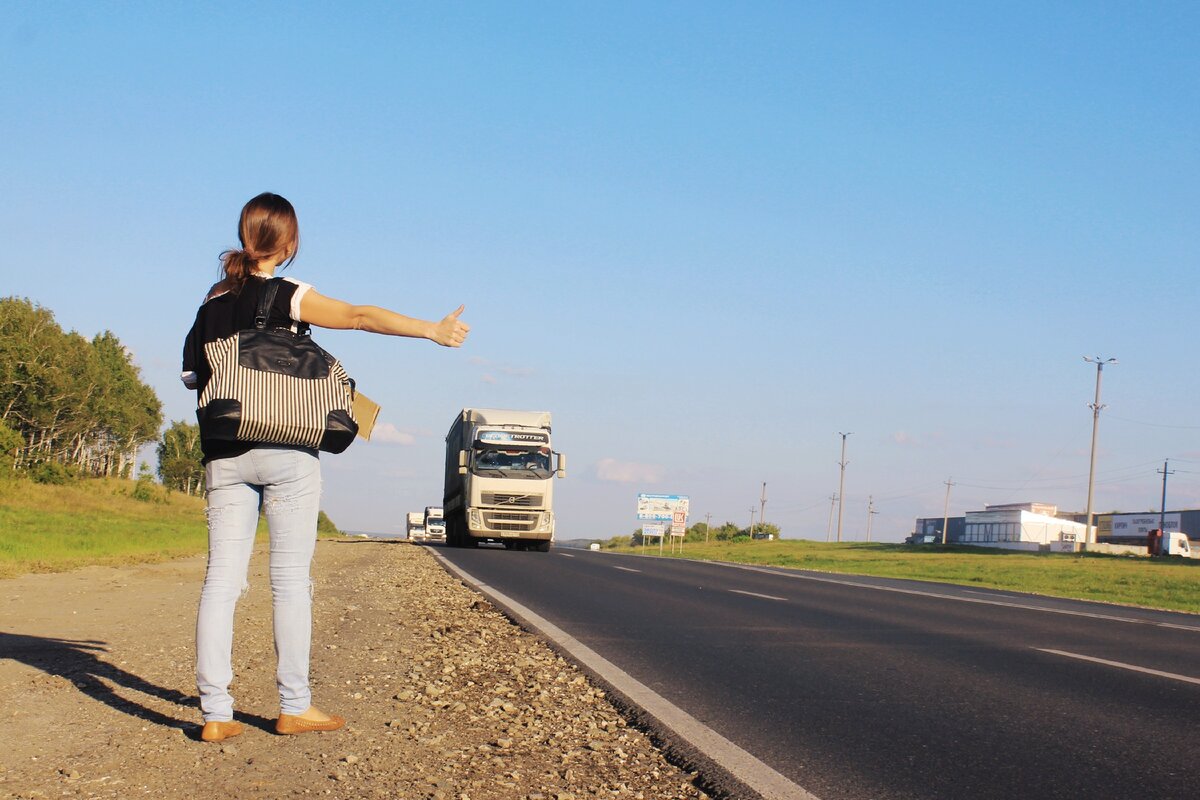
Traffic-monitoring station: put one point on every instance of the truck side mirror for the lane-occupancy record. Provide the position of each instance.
(562, 465)
(462, 462)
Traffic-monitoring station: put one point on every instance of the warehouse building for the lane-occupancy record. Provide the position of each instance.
(1040, 526)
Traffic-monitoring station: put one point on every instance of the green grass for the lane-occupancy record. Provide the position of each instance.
(1155, 583)
(53, 528)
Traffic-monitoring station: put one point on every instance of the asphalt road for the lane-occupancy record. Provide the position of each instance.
(871, 688)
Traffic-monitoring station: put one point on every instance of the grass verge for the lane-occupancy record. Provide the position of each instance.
(1155, 583)
(54, 528)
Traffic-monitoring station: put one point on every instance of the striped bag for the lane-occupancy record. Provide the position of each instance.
(276, 386)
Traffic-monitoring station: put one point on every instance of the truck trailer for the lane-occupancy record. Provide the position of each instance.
(435, 524)
(500, 470)
(415, 526)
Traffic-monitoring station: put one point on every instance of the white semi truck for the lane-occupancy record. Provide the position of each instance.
(435, 524)
(500, 470)
(415, 526)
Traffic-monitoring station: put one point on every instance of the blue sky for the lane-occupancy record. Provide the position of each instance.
(707, 237)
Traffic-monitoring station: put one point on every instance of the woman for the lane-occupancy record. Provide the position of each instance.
(284, 480)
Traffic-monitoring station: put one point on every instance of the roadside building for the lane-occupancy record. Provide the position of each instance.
(1021, 526)
(929, 530)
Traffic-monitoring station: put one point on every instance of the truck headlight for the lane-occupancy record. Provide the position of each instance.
(476, 519)
(546, 522)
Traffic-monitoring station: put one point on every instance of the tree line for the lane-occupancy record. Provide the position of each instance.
(67, 401)
(70, 405)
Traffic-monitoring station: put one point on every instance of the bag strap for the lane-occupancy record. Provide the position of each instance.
(265, 303)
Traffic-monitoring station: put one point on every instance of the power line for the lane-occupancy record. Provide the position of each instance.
(1156, 424)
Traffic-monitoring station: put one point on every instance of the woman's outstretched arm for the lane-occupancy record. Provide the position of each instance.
(326, 312)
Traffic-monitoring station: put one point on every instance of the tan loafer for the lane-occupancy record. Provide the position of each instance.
(217, 731)
(289, 724)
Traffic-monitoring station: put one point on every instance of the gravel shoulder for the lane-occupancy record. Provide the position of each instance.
(445, 698)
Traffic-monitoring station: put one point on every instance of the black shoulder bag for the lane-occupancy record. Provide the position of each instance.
(276, 386)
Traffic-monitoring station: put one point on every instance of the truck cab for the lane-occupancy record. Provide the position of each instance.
(500, 471)
(1170, 543)
(435, 524)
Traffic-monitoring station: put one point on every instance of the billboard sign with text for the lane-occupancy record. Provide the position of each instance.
(661, 506)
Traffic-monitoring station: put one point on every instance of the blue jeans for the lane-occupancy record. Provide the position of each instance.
(286, 481)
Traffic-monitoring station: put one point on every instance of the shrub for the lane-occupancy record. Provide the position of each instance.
(51, 472)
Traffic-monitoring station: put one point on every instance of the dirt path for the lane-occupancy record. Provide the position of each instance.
(445, 697)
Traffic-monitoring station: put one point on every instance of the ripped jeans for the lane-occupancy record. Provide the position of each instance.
(286, 481)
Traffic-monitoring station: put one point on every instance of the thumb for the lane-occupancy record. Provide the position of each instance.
(456, 313)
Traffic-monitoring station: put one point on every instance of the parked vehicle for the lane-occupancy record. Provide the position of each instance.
(415, 526)
(1170, 543)
(499, 485)
(435, 525)
(1155, 543)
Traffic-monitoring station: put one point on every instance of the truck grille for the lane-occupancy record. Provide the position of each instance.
(520, 500)
(509, 521)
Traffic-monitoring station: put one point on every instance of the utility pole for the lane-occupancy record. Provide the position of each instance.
(707, 526)
(752, 510)
(1095, 406)
(829, 530)
(871, 512)
(842, 481)
(946, 510)
(1162, 514)
(762, 506)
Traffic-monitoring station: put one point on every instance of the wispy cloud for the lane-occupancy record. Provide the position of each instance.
(503, 369)
(905, 439)
(614, 471)
(387, 433)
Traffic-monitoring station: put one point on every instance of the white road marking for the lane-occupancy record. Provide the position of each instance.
(1121, 665)
(940, 596)
(740, 764)
(566, 555)
(756, 594)
(627, 569)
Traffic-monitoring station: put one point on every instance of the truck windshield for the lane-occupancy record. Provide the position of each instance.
(531, 463)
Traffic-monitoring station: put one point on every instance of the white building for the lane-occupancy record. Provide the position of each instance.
(1022, 526)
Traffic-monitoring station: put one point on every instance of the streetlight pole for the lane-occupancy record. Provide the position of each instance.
(829, 528)
(1162, 513)
(752, 510)
(871, 512)
(707, 526)
(946, 510)
(762, 506)
(842, 482)
(1095, 406)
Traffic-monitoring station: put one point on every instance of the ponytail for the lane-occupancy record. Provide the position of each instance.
(237, 266)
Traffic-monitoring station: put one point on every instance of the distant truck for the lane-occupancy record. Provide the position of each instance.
(415, 526)
(500, 467)
(1170, 543)
(435, 525)
(1156, 543)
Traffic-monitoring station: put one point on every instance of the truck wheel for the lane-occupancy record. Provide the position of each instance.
(542, 547)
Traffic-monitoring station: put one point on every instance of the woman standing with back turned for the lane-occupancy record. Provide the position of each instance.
(285, 480)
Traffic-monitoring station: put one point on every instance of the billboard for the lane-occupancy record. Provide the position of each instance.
(661, 506)
(1141, 524)
(653, 529)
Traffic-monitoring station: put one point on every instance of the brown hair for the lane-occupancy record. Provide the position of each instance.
(267, 228)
